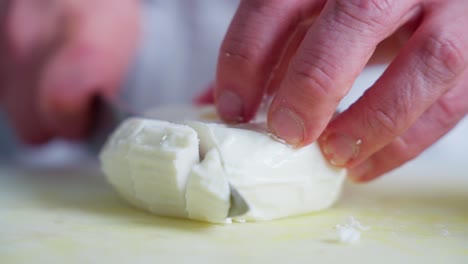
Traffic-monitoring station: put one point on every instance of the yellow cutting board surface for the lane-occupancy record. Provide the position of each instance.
(72, 216)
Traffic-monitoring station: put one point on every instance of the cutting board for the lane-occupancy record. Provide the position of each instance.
(71, 215)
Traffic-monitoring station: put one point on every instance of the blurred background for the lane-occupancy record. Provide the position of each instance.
(175, 61)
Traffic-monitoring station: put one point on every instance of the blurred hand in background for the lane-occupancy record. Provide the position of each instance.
(57, 56)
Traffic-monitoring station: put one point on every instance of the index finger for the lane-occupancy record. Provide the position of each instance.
(252, 46)
(334, 51)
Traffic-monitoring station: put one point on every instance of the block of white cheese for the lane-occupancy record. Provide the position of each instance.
(185, 168)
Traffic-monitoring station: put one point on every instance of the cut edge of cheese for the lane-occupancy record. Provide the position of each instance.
(155, 153)
(208, 193)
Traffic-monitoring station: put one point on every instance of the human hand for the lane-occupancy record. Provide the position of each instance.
(274, 47)
(57, 56)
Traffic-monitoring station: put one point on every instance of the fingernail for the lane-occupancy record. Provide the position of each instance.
(358, 173)
(288, 126)
(340, 149)
(230, 107)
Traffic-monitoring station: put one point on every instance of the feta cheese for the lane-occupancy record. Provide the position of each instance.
(156, 166)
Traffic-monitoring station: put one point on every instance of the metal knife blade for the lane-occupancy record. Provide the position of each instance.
(108, 116)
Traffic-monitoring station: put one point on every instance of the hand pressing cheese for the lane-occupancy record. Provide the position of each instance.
(184, 169)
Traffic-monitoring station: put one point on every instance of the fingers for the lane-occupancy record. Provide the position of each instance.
(251, 48)
(291, 46)
(433, 124)
(18, 69)
(388, 49)
(433, 61)
(332, 54)
(92, 61)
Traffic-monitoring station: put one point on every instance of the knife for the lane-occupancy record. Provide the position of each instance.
(109, 115)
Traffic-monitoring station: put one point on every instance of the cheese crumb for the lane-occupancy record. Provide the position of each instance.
(350, 232)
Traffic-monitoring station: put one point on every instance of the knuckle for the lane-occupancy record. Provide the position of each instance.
(314, 74)
(443, 57)
(239, 51)
(448, 112)
(382, 122)
(405, 149)
(377, 8)
(372, 14)
(448, 108)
